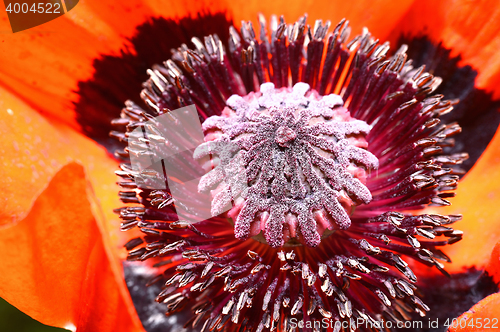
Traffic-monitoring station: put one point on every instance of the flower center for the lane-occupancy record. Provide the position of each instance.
(291, 164)
(284, 135)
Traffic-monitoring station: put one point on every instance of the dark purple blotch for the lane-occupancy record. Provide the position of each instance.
(477, 112)
(450, 297)
(119, 78)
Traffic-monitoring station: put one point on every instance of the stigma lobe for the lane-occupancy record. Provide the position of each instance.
(291, 164)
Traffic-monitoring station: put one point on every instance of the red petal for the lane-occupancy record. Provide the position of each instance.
(55, 266)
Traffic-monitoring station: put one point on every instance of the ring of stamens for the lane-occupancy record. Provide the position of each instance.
(361, 272)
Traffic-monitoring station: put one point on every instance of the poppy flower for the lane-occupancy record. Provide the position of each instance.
(63, 83)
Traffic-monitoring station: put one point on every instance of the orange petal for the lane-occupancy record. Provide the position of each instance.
(493, 267)
(56, 268)
(484, 316)
(33, 149)
(478, 199)
(469, 28)
(44, 64)
(31, 153)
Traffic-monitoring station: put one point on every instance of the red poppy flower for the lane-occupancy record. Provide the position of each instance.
(60, 83)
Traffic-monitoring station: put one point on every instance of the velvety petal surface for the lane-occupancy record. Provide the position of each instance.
(56, 268)
(45, 63)
(469, 28)
(61, 52)
(32, 151)
(380, 16)
(493, 267)
(484, 316)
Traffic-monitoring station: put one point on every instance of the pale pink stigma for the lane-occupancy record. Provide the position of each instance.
(303, 158)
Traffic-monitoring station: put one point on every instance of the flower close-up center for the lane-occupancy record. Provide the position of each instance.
(313, 150)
